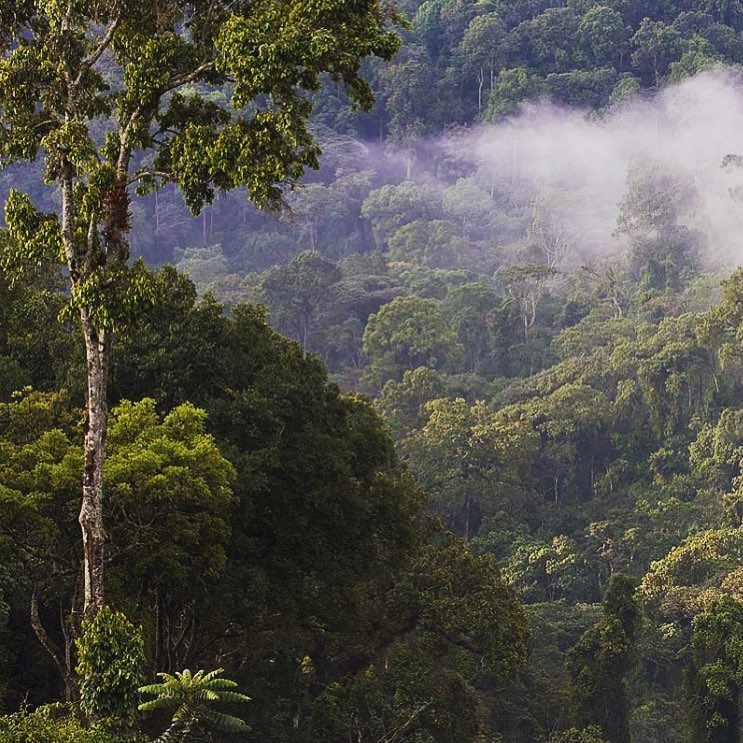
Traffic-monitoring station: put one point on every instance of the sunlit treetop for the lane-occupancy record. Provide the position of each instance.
(214, 94)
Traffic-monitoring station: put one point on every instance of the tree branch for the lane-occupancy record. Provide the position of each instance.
(148, 174)
(187, 77)
(51, 648)
(90, 61)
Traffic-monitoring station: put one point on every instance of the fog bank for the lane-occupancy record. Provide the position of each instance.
(578, 165)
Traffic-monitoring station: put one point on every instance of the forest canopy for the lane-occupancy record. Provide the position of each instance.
(394, 355)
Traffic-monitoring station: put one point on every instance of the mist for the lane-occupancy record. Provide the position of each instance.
(578, 165)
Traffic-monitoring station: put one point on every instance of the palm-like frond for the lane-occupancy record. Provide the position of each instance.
(194, 697)
(226, 722)
(233, 696)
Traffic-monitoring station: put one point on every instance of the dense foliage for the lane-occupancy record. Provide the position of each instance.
(271, 524)
(487, 485)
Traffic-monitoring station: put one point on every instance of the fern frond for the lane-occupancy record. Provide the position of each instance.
(228, 723)
(159, 703)
(213, 675)
(233, 696)
(153, 689)
(220, 684)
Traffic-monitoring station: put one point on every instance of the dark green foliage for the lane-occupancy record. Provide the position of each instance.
(715, 673)
(600, 661)
(577, 420)
(110, 663)
(319, 566)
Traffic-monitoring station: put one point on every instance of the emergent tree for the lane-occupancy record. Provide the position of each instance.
(115, 96)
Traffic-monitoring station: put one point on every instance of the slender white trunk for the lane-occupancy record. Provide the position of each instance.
(97, 343)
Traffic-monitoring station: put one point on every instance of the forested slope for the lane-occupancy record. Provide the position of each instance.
(450, 449)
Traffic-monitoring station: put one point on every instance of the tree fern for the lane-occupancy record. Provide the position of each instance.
(194, 696)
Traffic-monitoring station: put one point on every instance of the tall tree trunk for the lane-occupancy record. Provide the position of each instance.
(97, 344)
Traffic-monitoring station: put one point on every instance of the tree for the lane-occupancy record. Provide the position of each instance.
(552, 39)
(114, 95)
(654, 215)
(170, 494)
(391, 207)
(468, 309)
(318, 210)
(467, 203)
(434, 243)
(603, 35)
(483, 47)
(406, 333)
(412, 110)
(403, 404)
(550, 231)
(461, 624)
(715, 673)
(472, 463)
(655, 46)
(194, 696)
(297, 293)
(512, 88)
(526, 284)
(600, 661)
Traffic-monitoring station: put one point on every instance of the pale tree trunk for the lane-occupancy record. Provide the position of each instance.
(96, 368)
(97, 344)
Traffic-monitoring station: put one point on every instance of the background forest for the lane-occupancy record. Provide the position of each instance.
(448, 451)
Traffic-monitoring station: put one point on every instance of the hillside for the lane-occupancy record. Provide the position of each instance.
(440, 441)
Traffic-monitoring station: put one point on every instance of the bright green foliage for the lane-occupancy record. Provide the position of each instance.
(546, 570)
(55, 724)
(471, 461)
(119, 96)
(406, 333)
(110, 661)
(171, 493)
(266, 50)
(170, 490)
(196, 698)
(695, 573)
